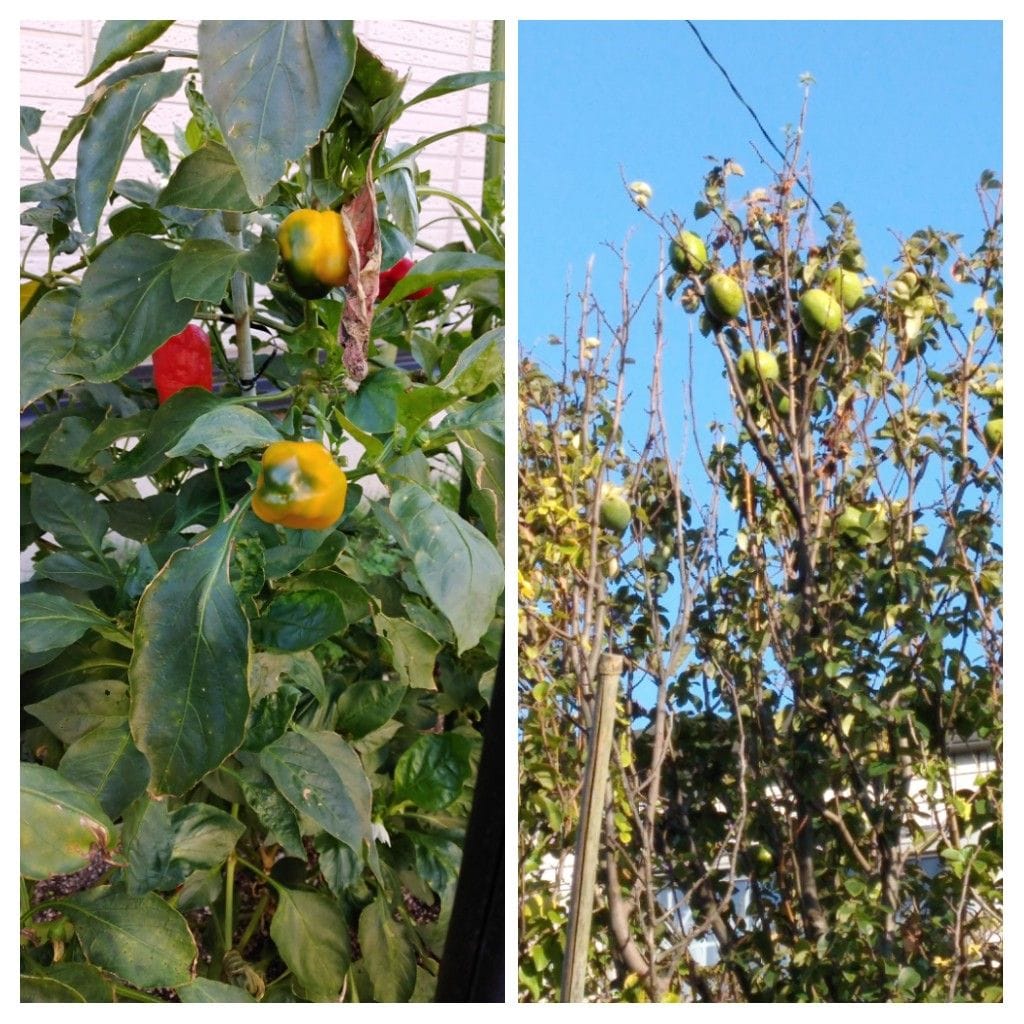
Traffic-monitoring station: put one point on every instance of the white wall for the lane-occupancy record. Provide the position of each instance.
(56, 54)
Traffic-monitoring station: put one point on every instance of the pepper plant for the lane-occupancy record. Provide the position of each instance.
(250, 728)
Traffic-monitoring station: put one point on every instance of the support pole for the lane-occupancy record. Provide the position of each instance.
(233, 224)
(588, 838)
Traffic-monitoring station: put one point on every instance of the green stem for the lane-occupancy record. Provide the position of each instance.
(460, 202)
(278, 325)
(275, 396)
(220, 490)
(229, 890)
(494, 163)
(254, 921)
(134, 995)
(258, 872)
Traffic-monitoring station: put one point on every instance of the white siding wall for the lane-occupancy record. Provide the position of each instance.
(57, 54)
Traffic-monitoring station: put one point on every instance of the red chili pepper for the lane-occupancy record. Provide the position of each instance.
(183, 361)
(389, 278)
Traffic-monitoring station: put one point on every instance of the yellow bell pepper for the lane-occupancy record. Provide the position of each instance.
(315, 251)
(300, 486)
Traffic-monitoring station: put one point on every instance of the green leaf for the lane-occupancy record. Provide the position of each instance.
(155, 150)
(189, 672)
(340, 867)
(120, 39)
(76, 521)
(458, 566)
(908, 978)
(273, 811)
(437, 858)
(127, 309)
(455, 83)
(854, 886)
(69, 714)
(60, 823)
(479, 365)
(31, 119)
(208, 179)
(45, 342)
(50, 621)
(432, 772)
(270, 670)
(74, 571)
(83, 979)
(495, 131)
(204, 837)
(270, 717)
(206, 990)
(170, 423)
(106, 763)
(311, 935)
(64, 446)
(260, 261)
(442, 269)
(143, 65)
(147, 839)
(108, 134)
(399, 188)
(202, 269)
(366, 705)
(374, 407)
(36, 989)
(298, 620)
(321, 776)
(139, 938)
(389, 957)
(274, 86)
(414, 407)
(413, 651)
(226, 431)
(483, 459)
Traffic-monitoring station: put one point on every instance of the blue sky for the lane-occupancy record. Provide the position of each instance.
(902, 119)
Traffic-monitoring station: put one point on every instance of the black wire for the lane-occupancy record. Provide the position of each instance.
(753, 114)
(246, 383)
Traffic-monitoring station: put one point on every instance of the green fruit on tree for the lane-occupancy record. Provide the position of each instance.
(723, 297)
(614, 513)
(820, 313)
(845, 286)
(994, 435)
(688, 253)
(925, 305)
(748, 365)
(818, 402)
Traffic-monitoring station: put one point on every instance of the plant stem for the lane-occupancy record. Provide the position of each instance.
(220, 490)
(254, 921)
(256, 871)
(240, 307)
(229, 889)
(458, 201)
(134, 995)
